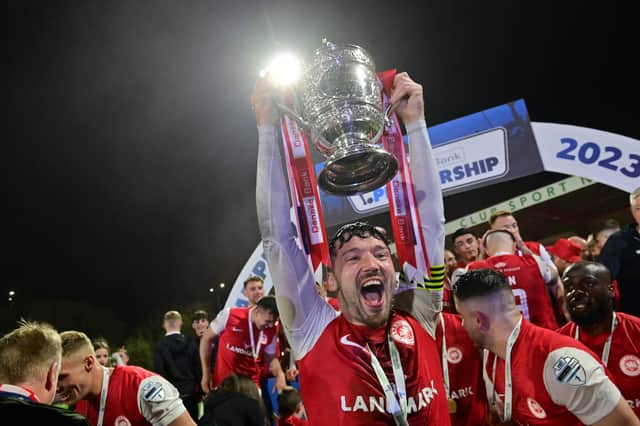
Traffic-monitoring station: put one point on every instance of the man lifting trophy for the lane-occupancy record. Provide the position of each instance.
(377, 361)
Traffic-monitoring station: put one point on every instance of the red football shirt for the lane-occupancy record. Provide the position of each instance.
(528, 287)
(624, 354)
(133, 394)
(235, 348)
(464, 362)
(339, 385)
(549, 373)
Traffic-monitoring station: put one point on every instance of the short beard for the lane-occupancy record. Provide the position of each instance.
(592, 318)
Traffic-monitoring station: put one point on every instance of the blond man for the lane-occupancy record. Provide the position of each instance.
(29, 364)
(126, 395)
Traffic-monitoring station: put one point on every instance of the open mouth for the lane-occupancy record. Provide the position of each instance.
(578, 303)
(372, 292)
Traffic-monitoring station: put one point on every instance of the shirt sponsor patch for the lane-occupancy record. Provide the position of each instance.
(454, 355)
(630, 365)
(536, 409)
(500, 265)
(154, 392)
(568, 370)
(121, 421)
(402, 332)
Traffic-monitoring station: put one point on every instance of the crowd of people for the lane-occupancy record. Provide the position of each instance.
(497, 330)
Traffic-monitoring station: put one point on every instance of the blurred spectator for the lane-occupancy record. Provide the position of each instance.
(235, 403)
(124, 394)
(584, 249)
(29, 364)
(451, 263)
(253, 289)
(606, 229)
(199, 323)
(176, 359)
(290, 409)
(621, 254)
(101, 348)
(565, 253)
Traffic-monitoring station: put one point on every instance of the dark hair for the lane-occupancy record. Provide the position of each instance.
(268, 303)
(288, 401)
(240, 383)
(359, 229)
(200, 315)
(252, 278)
(478, 283)
(462, 231)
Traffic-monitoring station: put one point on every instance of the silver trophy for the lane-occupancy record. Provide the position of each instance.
(339, 105)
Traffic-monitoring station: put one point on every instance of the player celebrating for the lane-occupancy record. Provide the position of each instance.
(371, 364)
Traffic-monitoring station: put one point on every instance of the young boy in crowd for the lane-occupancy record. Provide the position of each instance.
(290, 408)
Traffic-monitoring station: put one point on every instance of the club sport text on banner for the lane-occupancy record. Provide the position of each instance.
(522, 201)
(601, 156)
(477, 150)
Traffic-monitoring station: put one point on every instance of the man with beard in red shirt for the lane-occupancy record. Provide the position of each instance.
(615, 336)
(372, 364)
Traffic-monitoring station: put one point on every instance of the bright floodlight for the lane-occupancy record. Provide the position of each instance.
(283, 70)
(11, 293)
(211, 290)
(221, 285)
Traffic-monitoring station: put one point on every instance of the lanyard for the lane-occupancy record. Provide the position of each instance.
(513, 337)
(398, 409)
(103, 395)
(254, 351)
(607, 344)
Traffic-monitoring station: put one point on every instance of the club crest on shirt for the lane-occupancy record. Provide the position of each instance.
(536, 409)
(402, 332)
(153, 392)
(121, 421)
(630, 365)
(454, 355)
(568, 370)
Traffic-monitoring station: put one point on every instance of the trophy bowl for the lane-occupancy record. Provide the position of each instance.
(339, 104)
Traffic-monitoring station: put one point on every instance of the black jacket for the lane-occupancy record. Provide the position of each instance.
(621, 254)
(18, 411)
(222, 408)
(176, 358)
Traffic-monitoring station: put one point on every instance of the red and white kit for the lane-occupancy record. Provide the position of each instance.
(338, 381)
(134, 397)
(621, 355)
(527, 282)
(553, 378)
(241, 347)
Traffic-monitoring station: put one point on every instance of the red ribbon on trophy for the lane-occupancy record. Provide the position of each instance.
(405, 221)
(304, 193)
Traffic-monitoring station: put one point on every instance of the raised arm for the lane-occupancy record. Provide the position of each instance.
(426, 302)
(290, 270)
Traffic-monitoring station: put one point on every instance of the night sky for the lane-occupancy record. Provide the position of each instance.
(130, 143)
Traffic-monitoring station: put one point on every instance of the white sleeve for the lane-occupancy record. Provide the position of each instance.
(576, 380)
(159, 401)
(220, 321)
(544, 269)
(426, 182)
(424, 303)
(291, 272)
(546, 258)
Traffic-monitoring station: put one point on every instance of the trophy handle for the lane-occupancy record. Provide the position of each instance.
(320, 142)
(387, 113)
